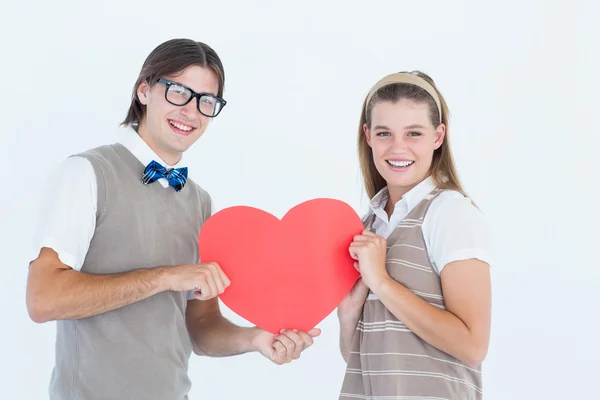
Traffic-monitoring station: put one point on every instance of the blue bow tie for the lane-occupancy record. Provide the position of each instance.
(176, 177)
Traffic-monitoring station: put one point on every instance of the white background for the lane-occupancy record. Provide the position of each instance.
(521, 80)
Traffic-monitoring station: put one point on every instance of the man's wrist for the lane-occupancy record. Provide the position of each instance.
(250, 335)
(162, 278)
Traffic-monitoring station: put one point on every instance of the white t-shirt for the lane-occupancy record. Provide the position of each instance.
(68, 217)
(453, 228)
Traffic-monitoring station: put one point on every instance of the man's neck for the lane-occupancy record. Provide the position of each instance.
(168, 157)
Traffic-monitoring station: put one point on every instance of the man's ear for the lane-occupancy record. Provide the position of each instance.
(143, 91)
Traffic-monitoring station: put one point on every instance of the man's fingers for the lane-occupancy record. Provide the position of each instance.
(224, 278)
(299, 342)
(215, 273)
(306, 338)
(314, 332)
(206, 286)
(221, 280)
(289, 346)
(279, 353)
(210, 280)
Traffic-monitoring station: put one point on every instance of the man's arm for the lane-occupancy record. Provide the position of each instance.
(213, 335)
(55, 291)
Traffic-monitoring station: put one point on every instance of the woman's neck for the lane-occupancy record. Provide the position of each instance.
(395, 195)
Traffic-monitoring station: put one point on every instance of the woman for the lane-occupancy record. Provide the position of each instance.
(417, 322)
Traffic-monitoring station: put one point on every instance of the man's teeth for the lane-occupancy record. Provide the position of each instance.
(180, 126)
(400, 163)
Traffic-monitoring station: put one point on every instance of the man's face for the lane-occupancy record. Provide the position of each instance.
(170, 129)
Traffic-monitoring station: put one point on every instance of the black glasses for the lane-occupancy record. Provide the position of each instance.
(179, 95)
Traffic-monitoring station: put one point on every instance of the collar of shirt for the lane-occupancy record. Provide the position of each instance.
(402, 207)
(132, 141)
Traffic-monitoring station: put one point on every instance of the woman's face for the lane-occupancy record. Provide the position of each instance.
(403, 139)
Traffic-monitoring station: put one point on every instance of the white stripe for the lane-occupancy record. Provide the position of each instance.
(409, 264)
(406, 245)
(416, 355)
(372, 296)
(412, 220)
(418, 373)
(353, 369)
(381, 324)
(384, 329)
(387, 321)
(433, 296)
(409, 225)
(363, 397)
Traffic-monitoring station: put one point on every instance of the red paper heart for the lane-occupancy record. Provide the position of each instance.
(285, 274)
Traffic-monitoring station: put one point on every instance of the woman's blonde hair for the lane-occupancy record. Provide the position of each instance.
(442, 170)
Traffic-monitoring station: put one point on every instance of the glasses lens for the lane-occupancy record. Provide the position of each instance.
(178, 94)
(209, 105)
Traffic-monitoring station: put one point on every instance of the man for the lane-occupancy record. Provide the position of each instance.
(117, 267)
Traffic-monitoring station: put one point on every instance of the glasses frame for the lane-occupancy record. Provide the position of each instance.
(196, 95)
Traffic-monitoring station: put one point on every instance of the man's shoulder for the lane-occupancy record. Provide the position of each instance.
(105, 152)
(204, 199)
(202, 192)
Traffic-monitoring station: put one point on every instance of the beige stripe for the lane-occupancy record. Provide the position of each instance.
(359, 396)
(372, 296)
(414, 373)
(419, 355)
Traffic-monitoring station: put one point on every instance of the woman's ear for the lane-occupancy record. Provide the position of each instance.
(440, 135)
(367, 133)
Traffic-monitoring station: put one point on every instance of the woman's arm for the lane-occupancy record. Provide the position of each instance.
(349, 312)
(463, 328)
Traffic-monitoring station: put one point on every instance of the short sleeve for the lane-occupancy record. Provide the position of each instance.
(67, 217)
(455, 229)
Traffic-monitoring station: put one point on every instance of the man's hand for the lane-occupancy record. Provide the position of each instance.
(286, 346)
(206, 280)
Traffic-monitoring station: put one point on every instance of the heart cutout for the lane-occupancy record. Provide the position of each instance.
(285, 274)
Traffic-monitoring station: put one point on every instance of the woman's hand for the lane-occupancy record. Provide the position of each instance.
(369, 250)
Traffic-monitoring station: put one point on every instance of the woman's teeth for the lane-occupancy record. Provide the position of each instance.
(180, 126)
(400, 163)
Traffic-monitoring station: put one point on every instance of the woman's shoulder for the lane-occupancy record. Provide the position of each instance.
(455, 228)
(453, 208)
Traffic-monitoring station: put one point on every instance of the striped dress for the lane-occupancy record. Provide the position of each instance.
(387, 361)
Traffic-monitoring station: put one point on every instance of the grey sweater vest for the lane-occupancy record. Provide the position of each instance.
(140, 351)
